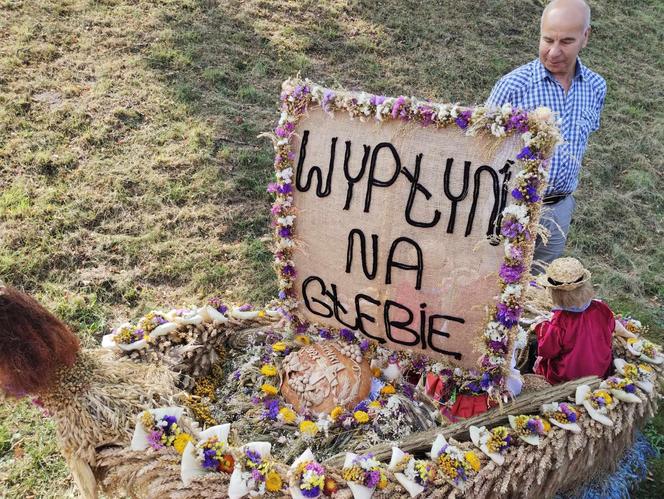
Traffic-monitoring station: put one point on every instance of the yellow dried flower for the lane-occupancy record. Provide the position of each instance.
(473, 460)
(268, 370)
(388, 390)
(336, 412)
(205, 388)
(375, 405)
(181, 442)
(302, 339)
(147, 420)
(287, 414)
(383, 481)
(268, 389)
(273, 481)
(308, 428)
(279, 346)
(261, 314)
(376, 372)
(361, 417)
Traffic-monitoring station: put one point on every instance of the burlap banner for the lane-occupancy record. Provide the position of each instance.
(397, 225)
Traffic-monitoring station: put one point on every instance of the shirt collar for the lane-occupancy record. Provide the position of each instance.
(540, 72)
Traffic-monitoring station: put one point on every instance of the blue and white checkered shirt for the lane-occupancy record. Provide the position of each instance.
(531, 86)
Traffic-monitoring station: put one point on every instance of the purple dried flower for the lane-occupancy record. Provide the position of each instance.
(498, 346)
(253, 456)
(518, 122)
(328, 99)
(427, 114)
(271, 409)
(154, 439)
(485, 382)
(511, 273)
(282, 295)
(288, 270)
(371, 479)
(463, 119)
(398, 108)
(347, 334)
(408, 390)
(377, 100)
(507, 316)
(527, 153)
(325, 334)
(364, 345)
(281, 132)
(209, 461)
(511, 228)
(285, 189)
(272, 187)
(285, 232)
(312, 492)
(362, 406)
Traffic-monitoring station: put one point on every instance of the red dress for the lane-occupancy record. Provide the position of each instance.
(576, 344)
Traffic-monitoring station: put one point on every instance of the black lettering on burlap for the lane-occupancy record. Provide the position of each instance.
(419, 267)
(353, 180)
(372, 181)
(414, 187)
(446, 188)
(476, 193)
(315, 170)
(369, 274)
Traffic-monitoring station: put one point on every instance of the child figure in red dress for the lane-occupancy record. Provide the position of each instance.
(577, 340)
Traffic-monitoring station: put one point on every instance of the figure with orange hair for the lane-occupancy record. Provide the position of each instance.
(92, 396)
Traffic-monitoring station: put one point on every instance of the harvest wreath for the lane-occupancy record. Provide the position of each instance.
(394, 441)
(388, 375)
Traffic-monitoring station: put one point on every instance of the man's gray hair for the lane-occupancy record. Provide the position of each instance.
(580, 3)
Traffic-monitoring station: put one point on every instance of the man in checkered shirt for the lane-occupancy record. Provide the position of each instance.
(559, 81)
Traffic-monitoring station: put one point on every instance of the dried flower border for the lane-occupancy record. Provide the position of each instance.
(520, 219)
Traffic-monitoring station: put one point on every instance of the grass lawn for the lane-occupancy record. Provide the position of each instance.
(131, 175)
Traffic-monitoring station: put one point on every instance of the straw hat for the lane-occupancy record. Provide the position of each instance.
(566, 274)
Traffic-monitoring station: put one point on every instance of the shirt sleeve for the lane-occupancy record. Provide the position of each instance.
(500, 94)
(601, 96)
(548, 340)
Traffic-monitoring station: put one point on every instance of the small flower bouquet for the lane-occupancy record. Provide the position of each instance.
(621, 388)
(455, 465)
(645, 350)
(184, 316)
(307, 477)
(364, 474)
(127, 337)
(641, 374)
(562, 415)
(494, 443)
(211, 454)
(254, 472)
(529, 428)
(214, 311)
(597, 403)
(245, 312)
(415, 475)
(159, 428)
(155, 324)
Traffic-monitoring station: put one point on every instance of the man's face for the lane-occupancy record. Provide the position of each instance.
(563, 35)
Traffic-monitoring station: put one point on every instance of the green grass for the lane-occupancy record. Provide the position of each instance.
(131, 174)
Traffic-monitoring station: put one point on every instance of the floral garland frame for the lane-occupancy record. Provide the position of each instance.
(539, 133)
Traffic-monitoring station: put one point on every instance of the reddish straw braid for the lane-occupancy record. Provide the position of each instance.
(33, 344)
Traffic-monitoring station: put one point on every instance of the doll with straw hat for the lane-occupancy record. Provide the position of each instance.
(577, 340)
